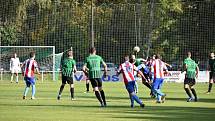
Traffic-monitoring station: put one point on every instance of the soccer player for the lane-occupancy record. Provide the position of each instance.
(127, 69)
(192, 70)
(93, 67)
(29, 69)
(68, 66)
(158, 67)
(14, 67)
(211, 68)
(137, 62)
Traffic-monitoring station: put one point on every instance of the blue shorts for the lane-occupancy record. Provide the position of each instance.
(29, 81)
(130, 86)
(157, 83)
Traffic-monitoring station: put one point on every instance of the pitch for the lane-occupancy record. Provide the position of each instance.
(46, 107)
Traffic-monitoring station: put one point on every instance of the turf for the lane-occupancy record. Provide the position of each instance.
(86, 108)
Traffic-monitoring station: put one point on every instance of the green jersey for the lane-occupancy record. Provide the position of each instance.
(67, 67)
(191, 68)
(93, 63)
(212, 65)
(137, 62)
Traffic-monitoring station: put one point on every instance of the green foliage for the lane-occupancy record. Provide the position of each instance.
(8, 34)
(176, 26)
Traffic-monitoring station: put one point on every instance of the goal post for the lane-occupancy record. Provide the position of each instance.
(45, 57)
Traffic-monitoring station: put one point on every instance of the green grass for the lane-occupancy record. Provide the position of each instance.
(86, 106)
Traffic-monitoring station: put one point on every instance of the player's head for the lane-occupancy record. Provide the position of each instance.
(132, 58)
(157, 56)
(149, 58)
(189, 54)
(126, 57)
(32, 55)
(14, 55)
(70, 53)
(93, 50)
(212, 54)
(153, 57)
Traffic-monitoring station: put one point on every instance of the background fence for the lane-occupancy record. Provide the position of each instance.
(168, 27)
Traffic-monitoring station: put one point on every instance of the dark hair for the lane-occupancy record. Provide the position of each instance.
(157, 56)
(92, 50)
(32, 54)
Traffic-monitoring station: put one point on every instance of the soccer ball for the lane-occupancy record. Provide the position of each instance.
(136, 49)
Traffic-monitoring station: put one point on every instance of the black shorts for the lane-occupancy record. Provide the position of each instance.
(212, 75)
(147, 76)
(189, 81)
(97, 82)
(66, 79)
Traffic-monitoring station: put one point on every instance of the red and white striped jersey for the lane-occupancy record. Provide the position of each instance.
(30, 66)
(158, 68)
(127, 70)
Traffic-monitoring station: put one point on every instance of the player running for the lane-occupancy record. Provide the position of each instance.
(93, 67)
(68, 66)
(127, 69)
(211, 68)
(158, 67)
(192, 70)
(29, 69)
(15, 68)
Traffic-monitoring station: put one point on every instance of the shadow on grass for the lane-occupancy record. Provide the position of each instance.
(199, 100)
(172, 113)
(158, 112)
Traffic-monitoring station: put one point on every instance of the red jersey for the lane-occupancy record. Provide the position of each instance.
(30, 66)
(127, 70)
(158, 68)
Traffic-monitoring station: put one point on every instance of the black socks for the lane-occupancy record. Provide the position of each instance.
(103, 96)
(72, 92)
(188, 92)
(209, 87)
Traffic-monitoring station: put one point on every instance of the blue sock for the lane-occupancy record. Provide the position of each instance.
(158, 97)
(33, 90)
(26, 91)
(136, 86)
(158, 91)
(137, 99)
(132, 101)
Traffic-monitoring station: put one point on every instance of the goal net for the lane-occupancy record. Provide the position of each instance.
(44, 57)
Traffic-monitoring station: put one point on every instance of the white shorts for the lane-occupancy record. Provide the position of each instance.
(15, 70)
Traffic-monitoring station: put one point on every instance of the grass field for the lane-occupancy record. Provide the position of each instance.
(86, 106)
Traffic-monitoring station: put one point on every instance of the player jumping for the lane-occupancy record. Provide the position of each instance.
(127, 69)
(29, 67)
(211, 68)
(144, 69)
(93, 67)
(68, 66)
(157, 69)
(192, 70)
(14, 67)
